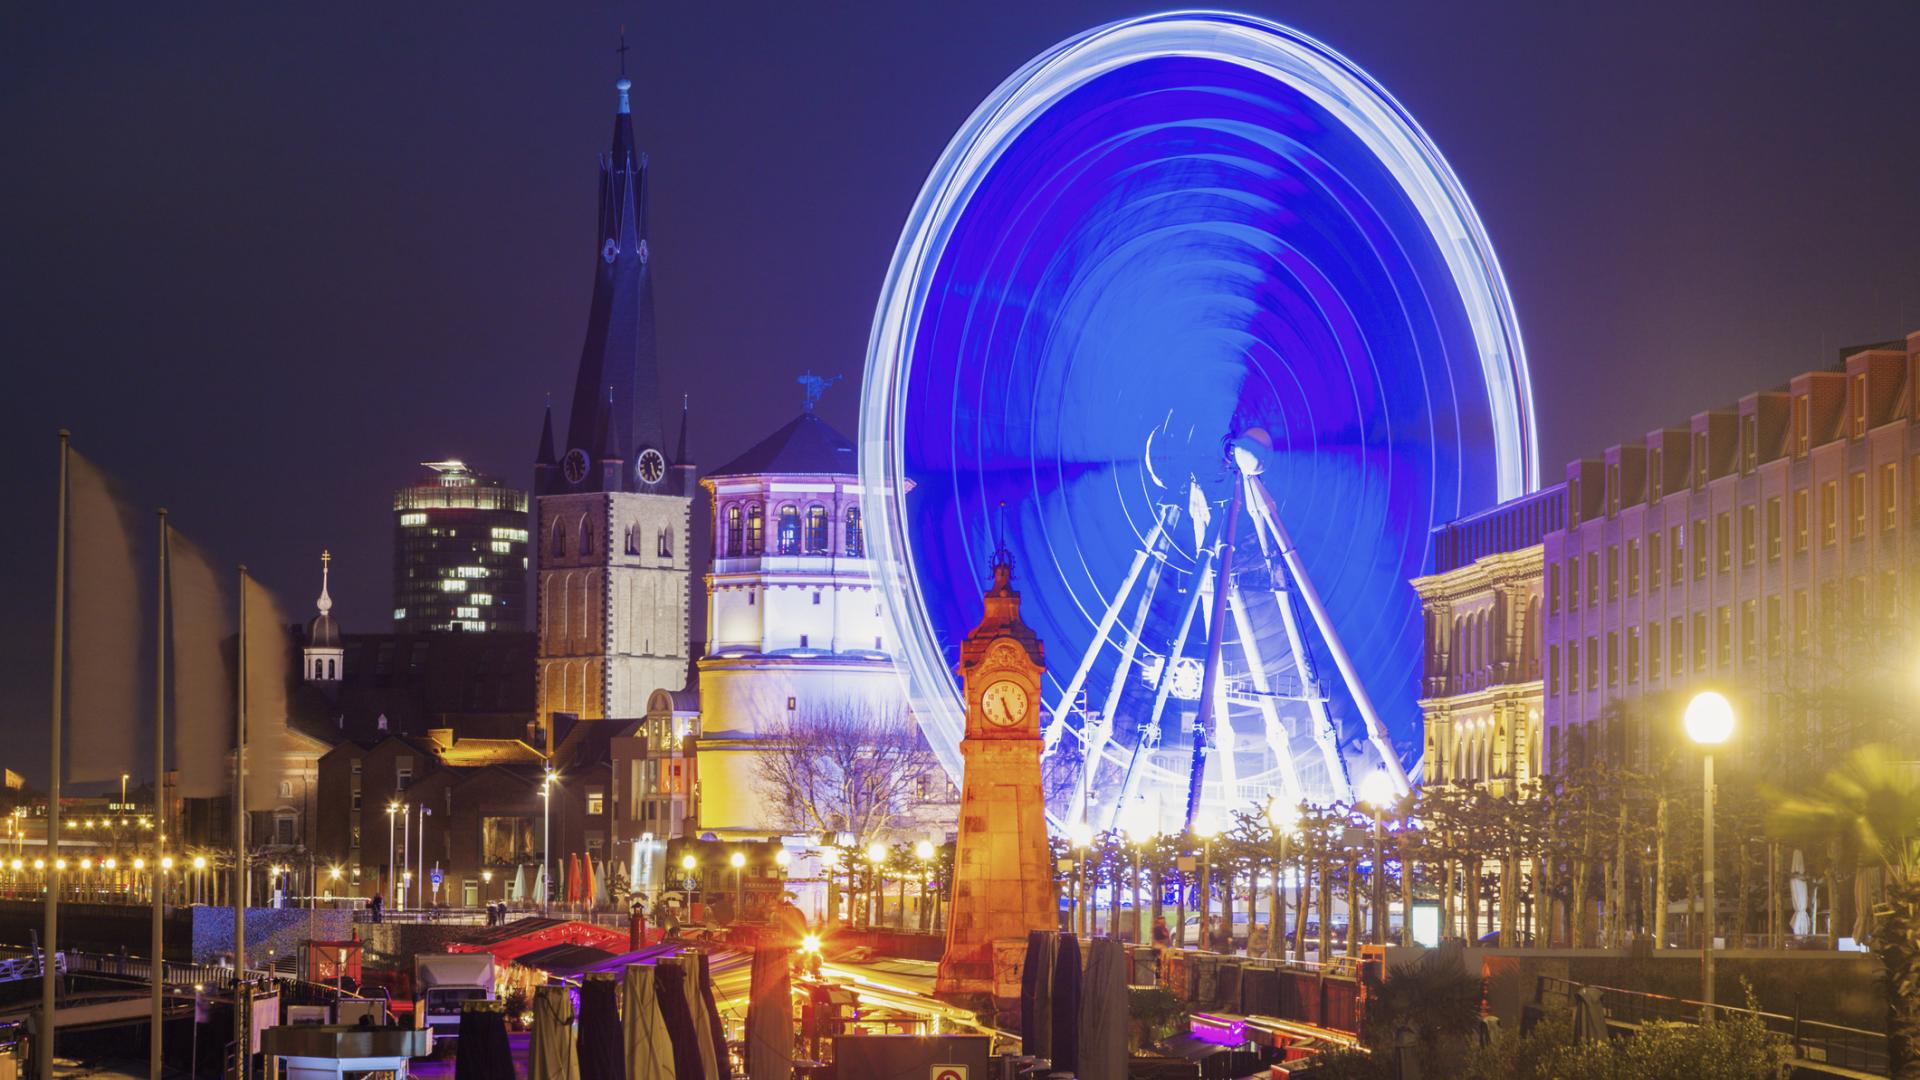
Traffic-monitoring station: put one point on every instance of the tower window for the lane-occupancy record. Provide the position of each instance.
(733, 530)
(816, 529)
(664, 543)
(816, 598)
(586, 543)
(756, 529)
(559, 546)
(633, 540)
(856, 542)
(788, 540)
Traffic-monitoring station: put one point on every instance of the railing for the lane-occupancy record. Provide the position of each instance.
(453, 916)
(1811, 1041)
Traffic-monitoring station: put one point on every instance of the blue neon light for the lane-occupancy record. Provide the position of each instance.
(1157, 235)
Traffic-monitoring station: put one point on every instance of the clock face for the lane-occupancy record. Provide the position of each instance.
(1004, 703)
(574, 465)
(651, 466)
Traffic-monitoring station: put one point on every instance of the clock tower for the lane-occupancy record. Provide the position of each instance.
(1003, 882)
(613, 500)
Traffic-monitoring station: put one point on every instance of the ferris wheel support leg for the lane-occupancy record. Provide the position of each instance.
(1150, 735)
(1279, 739)
(1058, 722)
(1129, 650)
(1210, 690)
(1324, 734)
(1376, 731)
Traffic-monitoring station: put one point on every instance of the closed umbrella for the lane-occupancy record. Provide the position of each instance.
(1036, 994)
(770, 1016)
(719, 1028)
(551, 1055)
(520, 883)
(600, 896)
(1103, 1012)
(573, 880)
(540, 883)
(1065, 1005)
(601, 1045)
(586, 882)
(697, 1013)
(676, 1012)
(482, 1052)
(649, 1045)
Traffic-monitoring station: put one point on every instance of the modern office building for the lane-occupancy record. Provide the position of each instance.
(1769, 549)
(1480, 699)
(459, 552)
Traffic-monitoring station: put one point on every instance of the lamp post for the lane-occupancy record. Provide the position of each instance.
(486, 886)
(546, 838)
(876, 892)
(1377, 792)
(1206, 830)
(1284, 819)
(738, 861)
(687, 863)
(393, 881)
(1080, 836)
(1709, 722)
(923, 851)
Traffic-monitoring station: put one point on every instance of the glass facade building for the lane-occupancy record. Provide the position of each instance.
(459, 552)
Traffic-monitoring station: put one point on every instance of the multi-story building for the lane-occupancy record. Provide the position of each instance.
(459, 552)
(1481, 691)
(612, 508)
(1764, 549)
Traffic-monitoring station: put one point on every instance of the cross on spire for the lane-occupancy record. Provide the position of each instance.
(622, 50)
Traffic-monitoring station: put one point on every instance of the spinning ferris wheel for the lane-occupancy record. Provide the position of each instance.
(1200, 306)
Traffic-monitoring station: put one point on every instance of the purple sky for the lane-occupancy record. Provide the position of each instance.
(263, 260)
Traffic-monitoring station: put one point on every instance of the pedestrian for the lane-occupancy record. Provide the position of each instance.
(373, 907)
(1162, 936)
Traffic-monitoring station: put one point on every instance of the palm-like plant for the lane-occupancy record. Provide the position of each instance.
(1868, 809)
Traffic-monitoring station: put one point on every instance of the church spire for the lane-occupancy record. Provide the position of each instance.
(325, 604)
(618, 376)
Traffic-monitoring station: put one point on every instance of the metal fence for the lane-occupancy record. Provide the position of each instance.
(1812, 1041)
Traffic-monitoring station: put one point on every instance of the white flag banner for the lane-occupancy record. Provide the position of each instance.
(105, 673)
(203, 685)
(269, 668)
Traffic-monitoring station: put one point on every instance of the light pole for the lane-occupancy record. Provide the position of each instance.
(1205, 829)
(687, 863)
(1284, 819)
(393, 880)
(123, 793)
(876, 892)
(1080, 835)
(486, 886)
(1377, 792)
(546, 838)
(924, 852)
(738, 861)
(1709, 722)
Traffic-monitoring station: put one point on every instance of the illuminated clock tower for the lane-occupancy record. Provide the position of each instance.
(1003, 870)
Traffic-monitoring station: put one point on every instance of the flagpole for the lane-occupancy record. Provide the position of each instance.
(157, 874)
(241, 1006)
(43, 1053)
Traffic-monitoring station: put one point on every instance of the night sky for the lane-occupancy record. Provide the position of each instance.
(264, 260)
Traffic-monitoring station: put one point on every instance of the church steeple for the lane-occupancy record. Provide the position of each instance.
(618, 377)
(323, 658)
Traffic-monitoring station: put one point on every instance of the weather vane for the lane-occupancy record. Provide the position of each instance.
(815, 385)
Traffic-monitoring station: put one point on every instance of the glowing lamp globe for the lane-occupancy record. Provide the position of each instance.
(923, 850)
(1080, 834)
(1378, 790)
(737, 860)
(876, 853)
(1284, 817)
(688, 862)
(1205, 827)
(1709, 718)
(782, 857)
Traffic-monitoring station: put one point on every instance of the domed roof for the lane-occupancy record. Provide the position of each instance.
(323, 632)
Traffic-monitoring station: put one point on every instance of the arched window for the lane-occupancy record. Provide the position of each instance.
(559, 538)
(733, 530)
(789, 536)
(756, 529)
(586, 543)
(633, 539)
(856, 542)
(664, 543)
(816, 530)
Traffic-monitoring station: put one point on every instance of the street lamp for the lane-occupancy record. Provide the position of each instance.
(392, 881)
(1206, 830)
(1080, 835)
(876, 896)
(1377, 791)
(922, 851)
(1284, 819)
(738, 861)
(1139, 829)
(546, 837)
(687, 863)
(1709, 722)
(486, 884)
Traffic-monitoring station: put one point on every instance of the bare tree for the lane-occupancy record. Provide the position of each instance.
(847, 766)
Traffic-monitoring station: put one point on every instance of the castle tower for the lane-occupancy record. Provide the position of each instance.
(1003, 883)
(612, 510)
(323, 661)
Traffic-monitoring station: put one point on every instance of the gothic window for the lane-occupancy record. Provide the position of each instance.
(816, 529)
(664, 544)
(633, 539)
(559, 538)
(586, 544)
(856, 543)
(756, 529)
(733, 530)
(789, 537)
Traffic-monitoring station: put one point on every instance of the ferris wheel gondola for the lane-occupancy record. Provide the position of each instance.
(1202, 307)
